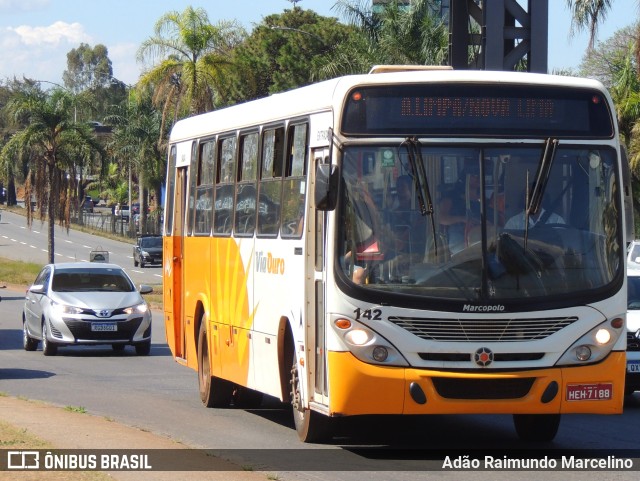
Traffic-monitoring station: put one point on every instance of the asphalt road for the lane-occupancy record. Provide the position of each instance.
(157, 394)
(21, 242)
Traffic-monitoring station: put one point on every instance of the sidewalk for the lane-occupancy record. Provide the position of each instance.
(71, 430)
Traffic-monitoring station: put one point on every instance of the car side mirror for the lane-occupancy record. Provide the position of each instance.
(145, 289)
(37, 289)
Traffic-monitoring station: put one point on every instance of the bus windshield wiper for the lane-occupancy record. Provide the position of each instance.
(540, 184)
(542, 176)
(425, 200)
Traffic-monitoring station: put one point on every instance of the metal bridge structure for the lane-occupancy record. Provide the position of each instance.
(498, 34)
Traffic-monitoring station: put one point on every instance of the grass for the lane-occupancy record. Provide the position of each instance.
(12, 438)
(22, 274)
(17, 272)
(76, 409)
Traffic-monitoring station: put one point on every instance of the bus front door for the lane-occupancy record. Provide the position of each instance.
(176, 282)
(316, 242)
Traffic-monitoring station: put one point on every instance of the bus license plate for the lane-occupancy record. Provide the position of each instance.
(633, 366)
(590, 392)
(104, 327)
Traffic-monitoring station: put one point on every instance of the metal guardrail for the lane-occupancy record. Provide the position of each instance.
(117, 225)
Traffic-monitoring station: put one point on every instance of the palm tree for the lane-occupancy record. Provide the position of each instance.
(52, 138)
(192, 58)
(396, 35)
(137, 130)
(588, 14)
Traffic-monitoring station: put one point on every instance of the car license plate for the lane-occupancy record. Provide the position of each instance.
(104, 327)
(633, 366)
(590, 392)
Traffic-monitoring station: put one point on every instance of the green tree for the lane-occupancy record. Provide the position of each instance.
(608, 56)
(87, 68)
(190, 58)
(283, 52)
(135, 141)
(89, 74)
(50, 136)
(588, 14)
(397, 34)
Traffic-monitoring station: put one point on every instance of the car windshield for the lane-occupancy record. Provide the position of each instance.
(108, 280)
(479, 223)
(151, 242)
(633, 293)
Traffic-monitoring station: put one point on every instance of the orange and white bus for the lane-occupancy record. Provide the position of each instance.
(404, 242)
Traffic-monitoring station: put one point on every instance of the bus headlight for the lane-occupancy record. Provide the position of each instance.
(595, 345)
(603, 336)
(366, 344)
(357, 337)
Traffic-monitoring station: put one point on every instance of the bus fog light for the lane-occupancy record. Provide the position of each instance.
(583, 353)
(603, 336)
(380, 353)
(357, 337)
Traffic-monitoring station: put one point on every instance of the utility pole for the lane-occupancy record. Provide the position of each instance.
(499, 34)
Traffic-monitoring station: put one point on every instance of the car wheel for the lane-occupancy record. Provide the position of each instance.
(28, 342)
(141, 263)
(135, 262)
(48, 347)
(143, 348)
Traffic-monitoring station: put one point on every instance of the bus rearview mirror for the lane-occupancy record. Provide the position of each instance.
(326, 191)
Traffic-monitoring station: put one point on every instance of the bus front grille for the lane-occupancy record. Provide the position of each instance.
(482, 330)
(482, 388)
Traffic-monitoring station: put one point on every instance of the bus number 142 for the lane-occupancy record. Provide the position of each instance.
(369, 314)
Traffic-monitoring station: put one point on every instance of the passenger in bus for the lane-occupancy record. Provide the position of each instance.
(542, 216)
(459, 212)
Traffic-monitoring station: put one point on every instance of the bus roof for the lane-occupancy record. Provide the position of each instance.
(330, 94)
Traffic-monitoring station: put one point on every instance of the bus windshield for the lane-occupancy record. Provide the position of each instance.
(507, 222)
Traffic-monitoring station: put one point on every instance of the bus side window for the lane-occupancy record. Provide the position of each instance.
(270, 182)
(225, 186)
(204, 189)
(245, 217)
(295, 183)
(191, 199)
(171, 183)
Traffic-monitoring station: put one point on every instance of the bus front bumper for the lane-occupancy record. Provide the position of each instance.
(358, 388)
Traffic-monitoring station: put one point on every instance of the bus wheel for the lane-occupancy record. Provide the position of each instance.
(214, 392)
(536, 427)
(312, 427)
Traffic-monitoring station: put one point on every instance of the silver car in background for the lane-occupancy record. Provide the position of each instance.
(81, 303)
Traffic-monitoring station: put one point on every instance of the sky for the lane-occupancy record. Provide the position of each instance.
(35, 35)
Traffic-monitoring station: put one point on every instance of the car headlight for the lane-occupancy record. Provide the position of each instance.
(595, 345)
(65, 308)
(145, 253)
(140, 309)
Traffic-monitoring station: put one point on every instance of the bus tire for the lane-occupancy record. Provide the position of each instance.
(214, 392)
(311, 426)
(536, 427)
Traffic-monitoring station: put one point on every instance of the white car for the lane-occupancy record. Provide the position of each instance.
(79, 303)
(633, 255)
(633, 331)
